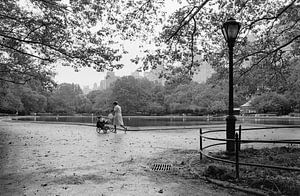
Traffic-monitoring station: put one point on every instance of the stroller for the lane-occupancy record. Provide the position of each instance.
(102, 125)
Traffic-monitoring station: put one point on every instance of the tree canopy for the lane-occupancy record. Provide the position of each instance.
(269, 36)
(34, 34)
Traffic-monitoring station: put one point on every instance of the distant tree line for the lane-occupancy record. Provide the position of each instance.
(143, 97)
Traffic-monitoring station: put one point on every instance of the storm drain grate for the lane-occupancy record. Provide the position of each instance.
(161, 167)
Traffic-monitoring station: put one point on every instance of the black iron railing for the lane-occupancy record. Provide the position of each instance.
(238, 142)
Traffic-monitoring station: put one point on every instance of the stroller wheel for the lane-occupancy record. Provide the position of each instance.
(108, 129)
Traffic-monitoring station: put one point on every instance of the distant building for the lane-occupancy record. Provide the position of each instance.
(95, 86)
(102, 85)
(110, 78)
(86, 89)
(204, 72)
(247, 108)
(136, 75)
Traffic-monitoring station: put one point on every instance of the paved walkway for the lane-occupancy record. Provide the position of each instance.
(59, 159)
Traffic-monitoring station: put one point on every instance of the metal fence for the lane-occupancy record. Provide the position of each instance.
(238, 142)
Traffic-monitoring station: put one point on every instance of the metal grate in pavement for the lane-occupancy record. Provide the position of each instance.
(161, 167)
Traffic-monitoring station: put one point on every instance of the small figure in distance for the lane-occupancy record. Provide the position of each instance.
(101, 125)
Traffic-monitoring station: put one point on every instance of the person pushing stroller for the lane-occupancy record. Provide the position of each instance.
(101, 124)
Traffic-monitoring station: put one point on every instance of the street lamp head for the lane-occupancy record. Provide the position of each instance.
(230, 30)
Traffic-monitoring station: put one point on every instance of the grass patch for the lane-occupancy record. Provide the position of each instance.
(275, 181)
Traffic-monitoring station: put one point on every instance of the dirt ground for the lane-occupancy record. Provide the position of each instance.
(60, 159)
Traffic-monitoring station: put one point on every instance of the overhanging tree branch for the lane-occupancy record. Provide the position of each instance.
(25, 53)
(39, 43)
(185, 22)
(192, 47)
(267, 52)
(273, 17)
(266, 55)
(13, 81)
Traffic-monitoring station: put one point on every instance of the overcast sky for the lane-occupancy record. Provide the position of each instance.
(88, 76)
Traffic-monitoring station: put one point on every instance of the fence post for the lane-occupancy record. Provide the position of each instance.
(237, 155)
(240, 136)
(200, 143)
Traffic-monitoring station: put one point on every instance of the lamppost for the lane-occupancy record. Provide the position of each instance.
(230, 30)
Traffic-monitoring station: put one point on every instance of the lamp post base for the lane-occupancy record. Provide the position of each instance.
(230, 132)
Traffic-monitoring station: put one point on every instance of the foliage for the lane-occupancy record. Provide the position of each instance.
(32, 100)
(52, 31)
(24, 99)
(178, 77)
(102, 102)
(133, 94)
(265, 51)
(82, 104)
(271, 103)
(269, 31)
(11, 103)
(36, 34)
(155, 108)
(137, 96)
(293, 87)
(67, 98)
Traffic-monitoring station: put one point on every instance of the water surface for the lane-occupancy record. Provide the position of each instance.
(144, 121)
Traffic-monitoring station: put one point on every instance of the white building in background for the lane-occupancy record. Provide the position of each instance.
(204, 71)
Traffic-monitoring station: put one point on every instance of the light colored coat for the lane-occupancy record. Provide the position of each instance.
(118, 119)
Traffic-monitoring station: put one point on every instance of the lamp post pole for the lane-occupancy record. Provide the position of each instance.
(230, 30)
(230, 120)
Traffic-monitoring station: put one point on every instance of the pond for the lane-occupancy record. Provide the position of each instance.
(144, 121)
